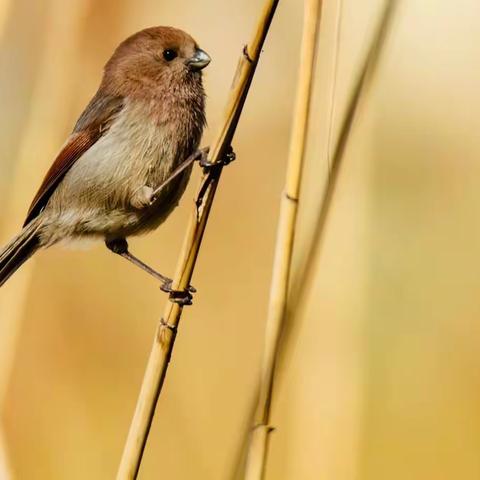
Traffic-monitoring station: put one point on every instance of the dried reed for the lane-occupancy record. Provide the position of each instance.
(306, 277)
(258, 446)
(165, 334)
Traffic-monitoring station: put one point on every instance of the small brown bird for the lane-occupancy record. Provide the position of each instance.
(146, 118)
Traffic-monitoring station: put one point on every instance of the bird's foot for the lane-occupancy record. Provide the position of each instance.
(181, 297)
(228, 157)
(201, 155)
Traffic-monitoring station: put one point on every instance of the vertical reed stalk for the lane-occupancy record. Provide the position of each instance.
(259, 440)
(166, 331)
(258, 447)
(359, 90)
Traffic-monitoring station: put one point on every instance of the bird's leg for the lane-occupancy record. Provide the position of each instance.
(200, 155)
(148, 196)
(120, 247)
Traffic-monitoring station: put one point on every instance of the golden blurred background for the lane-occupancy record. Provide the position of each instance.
(381, 373)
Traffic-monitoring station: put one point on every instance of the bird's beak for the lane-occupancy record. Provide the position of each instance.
(200, 60)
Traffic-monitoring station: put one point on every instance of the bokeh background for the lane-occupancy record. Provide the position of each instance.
(380, 375)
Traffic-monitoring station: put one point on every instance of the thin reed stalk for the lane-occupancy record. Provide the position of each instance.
(306, 276)
(164, 338)
(258, 447)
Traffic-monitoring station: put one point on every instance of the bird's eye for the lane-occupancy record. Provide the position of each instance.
(169, 54)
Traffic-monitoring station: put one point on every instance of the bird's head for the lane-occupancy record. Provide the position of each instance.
(157, 57)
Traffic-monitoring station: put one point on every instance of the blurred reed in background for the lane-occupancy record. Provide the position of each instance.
(380, 377)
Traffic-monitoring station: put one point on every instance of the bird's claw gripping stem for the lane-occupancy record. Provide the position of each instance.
(181, 297)
(227, 158)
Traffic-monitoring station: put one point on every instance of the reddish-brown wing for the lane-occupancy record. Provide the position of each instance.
(92, 125)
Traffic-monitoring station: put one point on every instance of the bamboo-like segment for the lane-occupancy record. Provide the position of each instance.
(358, 92)
(258, 446)
(166, 331)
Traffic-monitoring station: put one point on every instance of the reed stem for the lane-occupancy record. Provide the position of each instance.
(258, 446)
(166, 331)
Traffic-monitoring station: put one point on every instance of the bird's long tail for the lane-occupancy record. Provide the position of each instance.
(19, 250)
